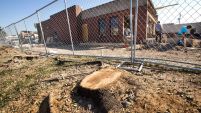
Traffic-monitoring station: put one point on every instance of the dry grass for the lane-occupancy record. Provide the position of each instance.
(26, 83)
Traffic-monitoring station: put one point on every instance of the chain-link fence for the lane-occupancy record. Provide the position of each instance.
(114, 28)
(172, 32)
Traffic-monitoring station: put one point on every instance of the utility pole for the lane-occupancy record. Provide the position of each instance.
(179, 19)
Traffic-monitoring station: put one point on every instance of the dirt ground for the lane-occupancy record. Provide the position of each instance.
(29, 82)
(155, 51)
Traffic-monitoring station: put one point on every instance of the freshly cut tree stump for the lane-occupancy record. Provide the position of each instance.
(96, 86)
(100, 79)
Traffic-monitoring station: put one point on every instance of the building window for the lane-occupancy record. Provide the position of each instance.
(114, 26)
(101, 24)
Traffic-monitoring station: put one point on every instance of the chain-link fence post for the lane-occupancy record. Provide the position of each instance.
(41, 28)
(28, 34)
(4, 35)
(20, 43)
(131, 28)
(136, 31)
(69, 27)
(11, 33)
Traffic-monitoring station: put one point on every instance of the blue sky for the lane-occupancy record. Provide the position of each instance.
(190, 11)
(14, 10)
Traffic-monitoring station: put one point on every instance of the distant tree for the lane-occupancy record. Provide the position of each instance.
(2, 32)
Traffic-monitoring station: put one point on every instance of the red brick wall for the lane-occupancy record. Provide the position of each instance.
(93, 27)
(58, 23)
(142, 25)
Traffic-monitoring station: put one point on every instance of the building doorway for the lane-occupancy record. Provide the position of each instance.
(85, 33)
(127, 31)
(126, 22)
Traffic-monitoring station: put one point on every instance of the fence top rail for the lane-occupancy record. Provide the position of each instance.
(33, 13)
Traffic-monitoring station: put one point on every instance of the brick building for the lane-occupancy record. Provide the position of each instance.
(103, 23)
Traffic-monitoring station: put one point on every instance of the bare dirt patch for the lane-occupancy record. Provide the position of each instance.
(55, 80)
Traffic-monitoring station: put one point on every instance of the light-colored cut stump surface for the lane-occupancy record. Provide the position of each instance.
(100, 79)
